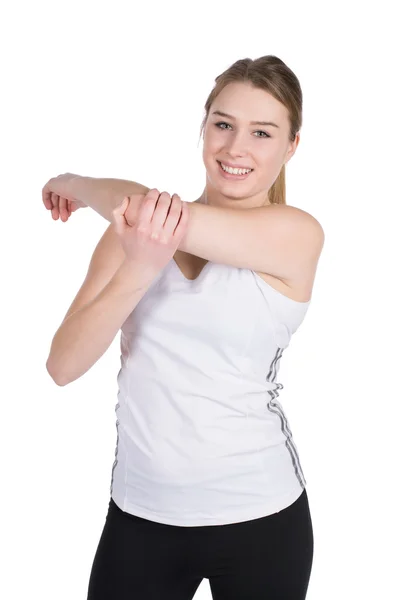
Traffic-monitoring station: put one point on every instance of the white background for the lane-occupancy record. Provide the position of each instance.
(117, 90)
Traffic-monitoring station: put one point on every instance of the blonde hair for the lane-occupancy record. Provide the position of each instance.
(271, 74)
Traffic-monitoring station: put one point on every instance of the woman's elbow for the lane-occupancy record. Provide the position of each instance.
(56, 377)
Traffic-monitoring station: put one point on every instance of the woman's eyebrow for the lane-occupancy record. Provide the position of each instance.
(222, 114)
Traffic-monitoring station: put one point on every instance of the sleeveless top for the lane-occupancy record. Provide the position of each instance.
(201, 436)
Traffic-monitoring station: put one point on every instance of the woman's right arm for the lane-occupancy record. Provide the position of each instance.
(112, 288)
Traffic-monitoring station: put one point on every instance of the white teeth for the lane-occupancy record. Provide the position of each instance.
(235, 171)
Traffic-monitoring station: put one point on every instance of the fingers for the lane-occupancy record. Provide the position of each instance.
(54, 210)
(173, 217)
(146, 212)
(63, 208)
(183, 222)
(50, 200)
(46, 197)
(159, 215)
(166, 210)
(59, 206)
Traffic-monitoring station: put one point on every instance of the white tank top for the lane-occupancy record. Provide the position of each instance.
(201, 436)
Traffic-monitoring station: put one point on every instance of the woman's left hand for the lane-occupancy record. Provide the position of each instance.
(56, 196)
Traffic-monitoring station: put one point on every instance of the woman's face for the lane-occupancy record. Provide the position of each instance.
(234, 140)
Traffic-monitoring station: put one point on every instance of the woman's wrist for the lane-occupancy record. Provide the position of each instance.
(104, 194)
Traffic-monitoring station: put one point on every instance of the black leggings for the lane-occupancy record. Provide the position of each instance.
(269, 558)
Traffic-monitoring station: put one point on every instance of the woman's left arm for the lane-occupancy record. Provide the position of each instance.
(281, 240)
(104, 194)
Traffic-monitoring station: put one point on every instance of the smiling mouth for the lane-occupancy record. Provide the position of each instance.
(235, 174)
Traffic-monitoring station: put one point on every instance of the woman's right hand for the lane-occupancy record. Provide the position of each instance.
(159, 226)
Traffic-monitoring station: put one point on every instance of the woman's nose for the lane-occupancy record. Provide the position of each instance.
(237, 145)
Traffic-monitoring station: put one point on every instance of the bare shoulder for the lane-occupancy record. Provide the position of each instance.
(299, 287)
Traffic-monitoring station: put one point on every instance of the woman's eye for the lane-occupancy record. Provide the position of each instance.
(218, 125)
(265, 134)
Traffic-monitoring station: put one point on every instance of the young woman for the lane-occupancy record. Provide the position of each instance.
(207, 481)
